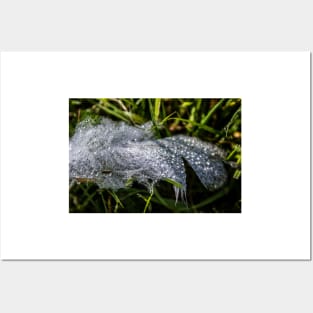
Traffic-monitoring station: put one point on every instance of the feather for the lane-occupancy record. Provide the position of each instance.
(113, 153)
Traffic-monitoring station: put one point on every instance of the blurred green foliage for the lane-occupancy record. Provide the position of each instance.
(214, 120)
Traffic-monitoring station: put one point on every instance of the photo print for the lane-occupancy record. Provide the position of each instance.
(155, 155)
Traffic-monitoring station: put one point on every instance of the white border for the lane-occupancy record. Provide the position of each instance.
(275, 90)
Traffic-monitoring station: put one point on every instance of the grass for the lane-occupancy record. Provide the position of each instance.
(213, 120)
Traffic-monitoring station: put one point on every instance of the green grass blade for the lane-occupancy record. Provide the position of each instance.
(173, 182)
(157, 104)
(211, 112)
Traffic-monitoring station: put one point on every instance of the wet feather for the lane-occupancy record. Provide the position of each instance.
(113, 153)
